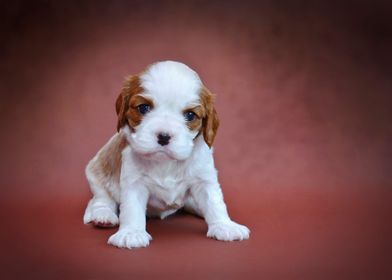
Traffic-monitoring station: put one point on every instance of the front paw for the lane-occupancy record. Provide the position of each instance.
(228, 231)
(126, 238)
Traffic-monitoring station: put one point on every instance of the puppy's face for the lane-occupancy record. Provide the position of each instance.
(164, 109)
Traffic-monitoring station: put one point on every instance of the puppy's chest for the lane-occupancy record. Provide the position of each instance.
(168, 188)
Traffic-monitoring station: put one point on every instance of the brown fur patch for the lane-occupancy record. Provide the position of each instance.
(107, 166)
(132, 86)
(210, 122)
(197, 122)
(133, 115)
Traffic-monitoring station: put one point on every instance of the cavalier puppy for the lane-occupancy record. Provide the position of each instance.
(161, 158)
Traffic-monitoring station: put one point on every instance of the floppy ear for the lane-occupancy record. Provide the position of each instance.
(210, 120)
(121, 108)
(131, 87)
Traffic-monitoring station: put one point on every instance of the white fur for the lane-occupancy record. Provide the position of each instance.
(158, 180)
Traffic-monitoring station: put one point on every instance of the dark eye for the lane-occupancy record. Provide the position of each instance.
(189, 116)
(144, 108)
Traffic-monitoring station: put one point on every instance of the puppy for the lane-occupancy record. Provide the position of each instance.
(161, 158)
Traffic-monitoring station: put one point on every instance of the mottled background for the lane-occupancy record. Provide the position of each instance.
(303, 151)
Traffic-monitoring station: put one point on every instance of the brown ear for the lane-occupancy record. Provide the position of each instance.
(121, 108)
(130, 88)
(210, 120)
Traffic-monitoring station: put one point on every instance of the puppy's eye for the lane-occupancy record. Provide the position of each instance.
(189, 116)
(144, 108)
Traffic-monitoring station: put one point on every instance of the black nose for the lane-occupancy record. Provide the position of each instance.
(163, 139)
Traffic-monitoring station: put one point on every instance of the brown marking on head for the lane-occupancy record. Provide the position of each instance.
(133, 115)
(196, 124)
(210, 121)
(128, 101)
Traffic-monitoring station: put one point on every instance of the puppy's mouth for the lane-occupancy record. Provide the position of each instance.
(160, 154)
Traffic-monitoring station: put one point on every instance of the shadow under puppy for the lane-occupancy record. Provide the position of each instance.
(161, 158)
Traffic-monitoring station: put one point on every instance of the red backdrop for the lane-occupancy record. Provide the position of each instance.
(303, 150)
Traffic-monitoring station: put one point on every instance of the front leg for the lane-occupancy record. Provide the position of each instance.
(209, 201)
(132, 232)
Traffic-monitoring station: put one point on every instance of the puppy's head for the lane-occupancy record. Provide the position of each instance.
(163, 110)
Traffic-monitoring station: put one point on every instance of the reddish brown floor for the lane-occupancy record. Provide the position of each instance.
(302, 235)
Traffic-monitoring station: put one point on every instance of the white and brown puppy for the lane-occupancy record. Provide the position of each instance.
(161, 158)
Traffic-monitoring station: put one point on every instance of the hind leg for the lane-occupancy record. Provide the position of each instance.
(102, 210)
(101, 213)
